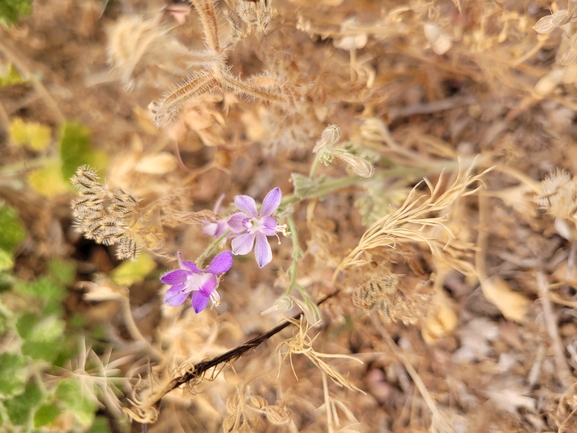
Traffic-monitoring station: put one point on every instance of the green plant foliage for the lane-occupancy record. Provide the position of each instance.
(12, 232)
(20, 407)
(48, 290)
(100, 425)
(33, 135)
(6, 261)
(76, 150)
(63, 271)
(132, 272)
(7, 281)
(5, 315)
(11, 77)
(12, 10)
(13, 374)
(43, 340)
(25, 324)
(75, 398)
(46, 414)
(47, 180)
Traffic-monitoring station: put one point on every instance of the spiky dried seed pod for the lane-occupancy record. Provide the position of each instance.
(103, 215)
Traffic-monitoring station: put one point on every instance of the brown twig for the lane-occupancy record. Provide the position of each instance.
(198, 370)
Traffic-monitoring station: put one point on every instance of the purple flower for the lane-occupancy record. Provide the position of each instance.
(254, 226)
(219, 227)
(191, 279)
(216, 229)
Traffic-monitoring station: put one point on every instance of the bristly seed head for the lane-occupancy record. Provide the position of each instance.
(103, 215)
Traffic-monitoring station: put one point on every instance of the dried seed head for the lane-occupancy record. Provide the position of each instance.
(133, 45)
(277, 415)
(549, 23)
(103, 215)
(558, 194)
(256, 14)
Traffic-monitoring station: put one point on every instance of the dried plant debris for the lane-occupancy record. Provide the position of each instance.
(385, 293)
(108, 217)
(247, 412)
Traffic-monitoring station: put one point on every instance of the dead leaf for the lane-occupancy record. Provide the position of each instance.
(159, 163)
(512, 305)
(441, 320)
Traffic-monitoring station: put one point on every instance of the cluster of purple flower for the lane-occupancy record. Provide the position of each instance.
(248, 228)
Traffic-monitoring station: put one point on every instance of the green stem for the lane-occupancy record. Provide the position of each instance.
(199, 262)
(297, 253)
(334, 184)
(315, 165)
(292, 271)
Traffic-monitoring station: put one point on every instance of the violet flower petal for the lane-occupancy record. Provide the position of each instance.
(269, 226)
(271, 202)
(174, 277)
(246, 204)
(209, 229)
(176, 295)
(236, 221)
(243, 244)
(220, 264)
(208, 284)
(262, 250)
(192, 267)
(199, 301)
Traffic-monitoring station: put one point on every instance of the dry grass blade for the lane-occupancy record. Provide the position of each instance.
(408, 223)
(302, 344)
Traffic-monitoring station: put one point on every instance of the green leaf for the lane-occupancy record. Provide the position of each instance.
(34, 136)
(46, 414)
(7, 281)
(43, 340)
(6, 261)
(11, 10)
(5, 316)
(76, 150)
(132, 272)
(25, 325)
(100, 425)
(44, 287)
(13, 374)
(74, 398)
(64, 271)
(12, 231)
(47, 181)
(11, 77)
(19, 408)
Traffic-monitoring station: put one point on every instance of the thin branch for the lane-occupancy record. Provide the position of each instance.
(198, 370)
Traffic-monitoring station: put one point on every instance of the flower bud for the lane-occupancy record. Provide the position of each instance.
(358, 165)
(330, 136)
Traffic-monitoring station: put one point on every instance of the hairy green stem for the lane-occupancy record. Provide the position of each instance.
(297, 254)
(343, 182)
(315, 165)
(199, 262)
